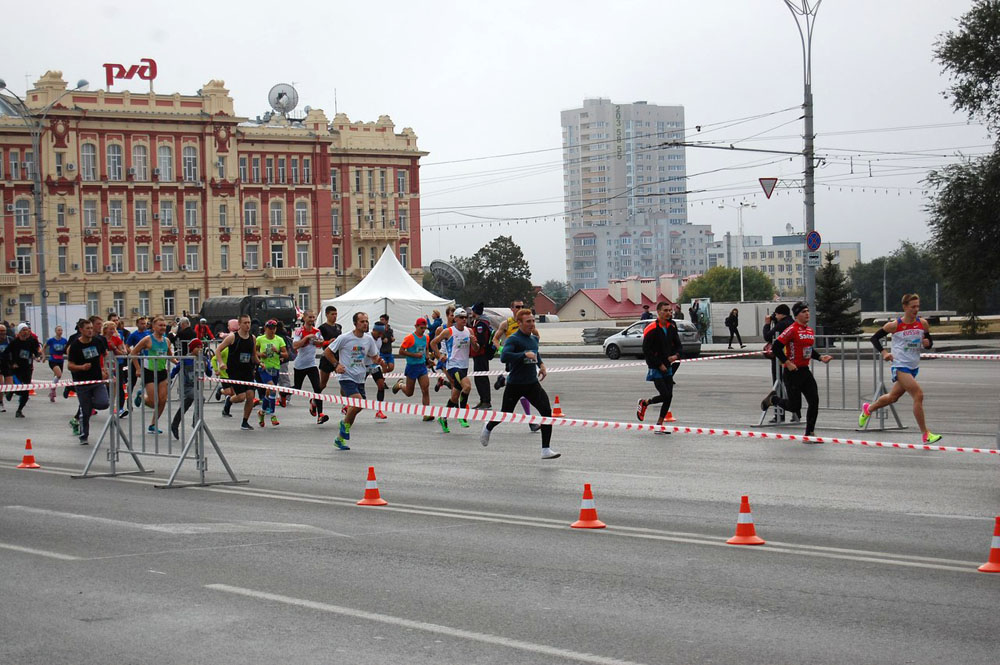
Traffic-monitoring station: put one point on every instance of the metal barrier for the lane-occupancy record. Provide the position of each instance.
(148, 429)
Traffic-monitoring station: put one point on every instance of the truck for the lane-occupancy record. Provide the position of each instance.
(219, 310)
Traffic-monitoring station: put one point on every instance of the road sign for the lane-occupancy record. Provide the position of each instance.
(813, 241)
(814, 259)
(767, 184)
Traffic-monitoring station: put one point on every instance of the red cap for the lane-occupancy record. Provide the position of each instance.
(271, 323)
(421, 322)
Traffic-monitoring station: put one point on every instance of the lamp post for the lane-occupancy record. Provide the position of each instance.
(35, 120)
(804, 13)
(739, 223)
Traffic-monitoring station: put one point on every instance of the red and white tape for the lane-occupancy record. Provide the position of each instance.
(21, 387)
(961, 356)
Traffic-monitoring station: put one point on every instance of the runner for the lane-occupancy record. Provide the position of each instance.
(85, 356)
(190, 351)
(799, 340)
(378, 334)
(239, 364)
(482, 356)
(442, 356)
(910, 334)
(271, 350)
(305, 341)
(354, 351)
(330, 331)
(117, 347)
(141, 330)
(22, 351)
(414, 349)
(507, 330)
(388, 338)
(55, 353)
(774, 325)
(224, 387)
(155, 377)
(6, 377)
(457, 366)
(284, 376)
(526, 371)
(661, 347)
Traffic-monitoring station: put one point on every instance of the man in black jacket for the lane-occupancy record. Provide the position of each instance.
(661, 346)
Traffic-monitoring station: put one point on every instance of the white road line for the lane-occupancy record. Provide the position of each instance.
(951, 517)
(45, 553)
(458, 633)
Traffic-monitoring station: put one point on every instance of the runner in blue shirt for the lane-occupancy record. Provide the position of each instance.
(55, 349)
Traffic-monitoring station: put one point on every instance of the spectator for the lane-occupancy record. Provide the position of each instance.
(733, 323)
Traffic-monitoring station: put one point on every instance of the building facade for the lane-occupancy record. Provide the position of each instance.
(623, 190)
(153, 202)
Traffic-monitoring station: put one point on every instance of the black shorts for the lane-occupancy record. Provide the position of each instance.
(456, 374)
(149, 376)
(55, 363)
(375, 372)
(326, 366)
(238, 388)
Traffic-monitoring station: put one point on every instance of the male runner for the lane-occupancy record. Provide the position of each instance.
(22, 351)
(55, 353)
(661, 347)
(506, 331)
(910, 334)
(482, 356)
(457, 366)
(330, 331)
(239, 363)
(141, 330)
(85, 356)
(795, 348)
(225, 388)
(306, 340)
(442, 356)
(271, 350)
(379, 331)
(520, 354)
(354, 351)
(155, 377)
(116, 346)
(414, 349)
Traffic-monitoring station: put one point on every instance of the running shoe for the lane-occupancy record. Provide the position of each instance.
(396, 387)
(343, 410)
(260, 418)
(322, 418)
(500, 382)
(931, 437)
(380, 416)
(75, 426)
(428, 419)
(83, 441)
(122, 413)
(484, 406)
(811, 439)
(463, 422)
(283, 400)
(312, 407)
(3, 409)
(535, 428)
(218, 394)
(256, 401)
(175, 432)
(18, 414)
(440, 382)
(484, 436)
(341, 444)
(661, 432)
(640, 409)
(52, 395)
(444, 425)
(274, 421)
(345, 431)
(768, 401)
(795, 418)
(866, 413)
(246, 427)
(138, 398)
(72, 393)
(153, 429)
(225, 410)
(548, 453)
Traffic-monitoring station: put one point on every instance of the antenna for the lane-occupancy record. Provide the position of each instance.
(334, 101)
(283, 98)
(789, 229)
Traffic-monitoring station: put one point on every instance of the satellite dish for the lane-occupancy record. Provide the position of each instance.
(283, 98)
(789, 229)
(447, 275)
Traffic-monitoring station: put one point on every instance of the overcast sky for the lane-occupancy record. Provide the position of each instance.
(478, 80)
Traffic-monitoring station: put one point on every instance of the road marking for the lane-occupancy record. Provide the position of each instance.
(409, 624)
(45, 553)
(950, 517)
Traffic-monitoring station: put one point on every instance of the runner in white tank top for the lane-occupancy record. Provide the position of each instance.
(457, 367)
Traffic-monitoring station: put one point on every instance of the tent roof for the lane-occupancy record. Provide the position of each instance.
(389, 279)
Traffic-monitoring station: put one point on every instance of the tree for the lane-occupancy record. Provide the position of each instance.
(835, 310)
(971, 58)
(558, 291)
(911, 268)
(722, 284)
(503, 274)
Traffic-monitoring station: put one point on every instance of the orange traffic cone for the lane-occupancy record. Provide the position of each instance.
(372, 497)
(588, 513)
(746, 534)
(31, 392)
(670, 417)
(28, 461)
(993, 565)
(557, 411)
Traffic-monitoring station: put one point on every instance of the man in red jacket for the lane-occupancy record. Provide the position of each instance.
(661, 346)
(202, 331)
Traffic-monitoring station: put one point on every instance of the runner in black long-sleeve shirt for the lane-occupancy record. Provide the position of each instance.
(661, 347)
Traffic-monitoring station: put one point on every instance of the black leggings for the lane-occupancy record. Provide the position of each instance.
(735, 331)
(299, 376)
(801, 383)
(482, 364)
(666, 389)
(535, 395)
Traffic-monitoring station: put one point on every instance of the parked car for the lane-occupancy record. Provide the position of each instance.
(629, 341)
(218, 310)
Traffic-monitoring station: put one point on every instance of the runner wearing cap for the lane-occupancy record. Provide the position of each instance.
(353, 352)
(457, 367)
(910, 334)
(306, 340)
(22, 351)
(414, 349)
(272, 351)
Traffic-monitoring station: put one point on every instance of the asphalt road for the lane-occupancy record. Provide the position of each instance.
(871, 554)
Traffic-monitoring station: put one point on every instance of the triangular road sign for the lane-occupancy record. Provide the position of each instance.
(767, 184)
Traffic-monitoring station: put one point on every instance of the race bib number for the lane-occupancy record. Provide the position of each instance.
(25, 354)
(90, 352)
(245, 358)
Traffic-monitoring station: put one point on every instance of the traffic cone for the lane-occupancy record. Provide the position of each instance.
(588, 513)
(745, 532)
(670, 417)
(993, 565)
(28, 461)
(557, 411)
(31, 393)
(372, 497)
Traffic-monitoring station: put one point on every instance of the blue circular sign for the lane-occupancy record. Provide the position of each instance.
(813, 241)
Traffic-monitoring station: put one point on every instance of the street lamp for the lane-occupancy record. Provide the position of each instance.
(804, 13)
(739, 221)
(35, 121)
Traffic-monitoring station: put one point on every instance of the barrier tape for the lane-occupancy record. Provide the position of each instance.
(23, 387)
(520, 418)
(961, 356)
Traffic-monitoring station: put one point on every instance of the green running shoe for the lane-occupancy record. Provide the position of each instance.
(444, 425)
(866, 413)
(931, 437)
(463, 423)
(341, 444)
(75, 424)
(345, 431)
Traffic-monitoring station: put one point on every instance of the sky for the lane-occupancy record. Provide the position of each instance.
(482, 85)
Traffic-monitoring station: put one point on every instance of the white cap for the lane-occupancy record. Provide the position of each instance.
(460, 312)
(20, 327)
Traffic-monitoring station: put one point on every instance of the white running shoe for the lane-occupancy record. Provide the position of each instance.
(484, 436)
(548, 453)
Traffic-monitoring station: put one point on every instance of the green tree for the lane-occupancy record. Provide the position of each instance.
(722, 284)
(911, 268)
(836, 313)
(558, 291)
(503, 274)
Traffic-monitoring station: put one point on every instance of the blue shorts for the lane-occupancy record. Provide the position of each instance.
(351, 388)
(905, 370)
(388, 358)
(415, 371)
(267, 377)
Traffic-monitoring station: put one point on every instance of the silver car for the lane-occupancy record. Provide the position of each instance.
(629, 341)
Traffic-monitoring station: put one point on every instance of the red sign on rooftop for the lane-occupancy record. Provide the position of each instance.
(113, 71)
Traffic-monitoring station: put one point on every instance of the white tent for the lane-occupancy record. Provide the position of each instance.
(387, 289)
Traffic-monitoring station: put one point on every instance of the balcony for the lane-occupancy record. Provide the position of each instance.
(390, 233)
(281, 273)
(9, 279)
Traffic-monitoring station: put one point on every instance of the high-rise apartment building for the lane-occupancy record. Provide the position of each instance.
(624, 191)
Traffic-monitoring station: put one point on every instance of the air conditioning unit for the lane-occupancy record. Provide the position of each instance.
(107, 268)
(71, 211)
(10, 310)
(336, 232)
(244, 265)
(71, 166)
(201, 183)
(156, 215)
(266, 265)
(392, 223)
(248, 231)
(131, 171)
(76, 266)
(156, 258)
(88, 232)
(135, 310)
(107, 220)
(10, 207)
(156, 171)
(11, 301)
(336, 196)
(183, 267)
(384, 195)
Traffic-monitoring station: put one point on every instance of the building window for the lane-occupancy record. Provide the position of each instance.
(29, 165)
(141, 214)
(22, 213)
(403, 221)
(117, 257)
(90, 259)
(401, 181)
(403, 257)
(306, 170)
(224, 258)
(277, 212)
(250, 213)
(93, 303)
(303, 298)
(194, 301)
(167, 258)
(144, 303)
(381, 180)
(88, 162)
(166, 213)
(295, 170)
(269, 170)
(255, 171)
(118, 302)
(63, 298)
(90, 214)
(357, 180)
(189, 162)
(335, 221)
(191, 261)
(371, 257)
(361, 257)
(223, 215)
(142, 259)
(191, 220)
(23, 258)
(165, 162)
(301, 213)
(220, 165)
(336, 259)
(168, 302)
(253, 258)
(115, 212)
(277, 255)
(281, 169)
(63, 260)
(371, 180)
(243, 169)
(15, 164)
(334, 178)
(140, 162)
(302, 256)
